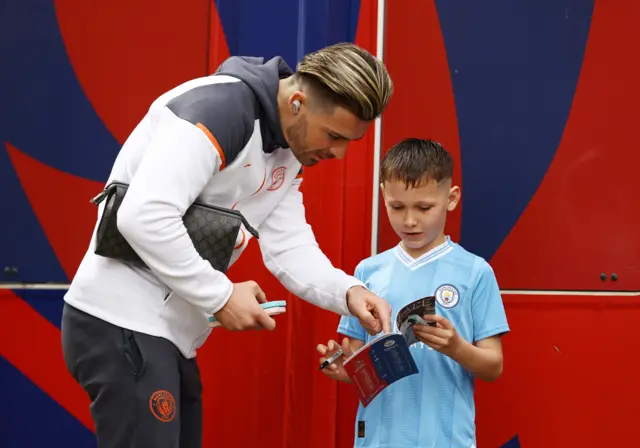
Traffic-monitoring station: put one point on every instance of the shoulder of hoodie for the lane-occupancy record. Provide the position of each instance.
(224, 108)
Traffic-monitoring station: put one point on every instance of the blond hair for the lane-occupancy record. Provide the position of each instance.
(349, 76)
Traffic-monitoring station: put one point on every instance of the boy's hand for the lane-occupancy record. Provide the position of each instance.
(336, 369)
(443, 337)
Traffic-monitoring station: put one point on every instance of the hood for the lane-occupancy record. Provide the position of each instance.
(263, 79)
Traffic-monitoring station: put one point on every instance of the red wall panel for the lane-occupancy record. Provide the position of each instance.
(569, 374)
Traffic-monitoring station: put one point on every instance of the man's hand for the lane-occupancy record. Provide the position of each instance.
(335, 370)
(373, 312)
(243, 312)
(443, 337)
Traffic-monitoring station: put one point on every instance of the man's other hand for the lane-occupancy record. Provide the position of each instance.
(243, 312)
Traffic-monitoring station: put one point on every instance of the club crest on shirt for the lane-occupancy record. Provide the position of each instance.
(447, 296)
(277, 178)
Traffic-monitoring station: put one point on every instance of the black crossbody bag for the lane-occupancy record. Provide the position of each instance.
(213, 230)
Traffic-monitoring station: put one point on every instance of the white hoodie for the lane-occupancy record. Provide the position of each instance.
(219, 140)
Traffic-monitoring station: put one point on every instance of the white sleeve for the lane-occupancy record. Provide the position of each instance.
(174, 170)
(291, 253)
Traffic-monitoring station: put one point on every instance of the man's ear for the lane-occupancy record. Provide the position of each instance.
(298, 96)
(454, 198)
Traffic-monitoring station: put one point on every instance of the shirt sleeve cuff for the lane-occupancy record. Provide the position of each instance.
(350, 283)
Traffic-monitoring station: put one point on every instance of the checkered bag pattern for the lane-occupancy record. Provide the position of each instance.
(213, 230)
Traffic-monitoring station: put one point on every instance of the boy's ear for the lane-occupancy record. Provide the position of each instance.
(382, 189)
(454, 198)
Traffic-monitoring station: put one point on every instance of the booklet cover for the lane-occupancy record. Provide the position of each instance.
(378, 364)
(387, 359)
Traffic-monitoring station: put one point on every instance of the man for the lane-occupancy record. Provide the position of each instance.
(237, 139)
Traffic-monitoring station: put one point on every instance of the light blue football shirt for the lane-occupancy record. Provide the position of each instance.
(434, 408)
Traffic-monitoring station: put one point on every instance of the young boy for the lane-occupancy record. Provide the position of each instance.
(434, 408)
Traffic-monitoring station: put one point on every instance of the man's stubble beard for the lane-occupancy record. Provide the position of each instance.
(297, 132)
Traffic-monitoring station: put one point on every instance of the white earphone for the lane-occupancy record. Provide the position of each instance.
(295, 106)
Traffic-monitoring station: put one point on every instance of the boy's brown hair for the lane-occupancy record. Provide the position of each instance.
(416, 161)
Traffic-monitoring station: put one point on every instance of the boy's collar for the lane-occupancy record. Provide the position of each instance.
(425, 258)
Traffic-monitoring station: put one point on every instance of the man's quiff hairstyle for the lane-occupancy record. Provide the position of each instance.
(348, 76)
(415, 162)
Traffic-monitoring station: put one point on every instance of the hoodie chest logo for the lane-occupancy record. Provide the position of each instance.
(277, 178)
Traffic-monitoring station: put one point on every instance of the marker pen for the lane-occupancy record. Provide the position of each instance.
(331, 359)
